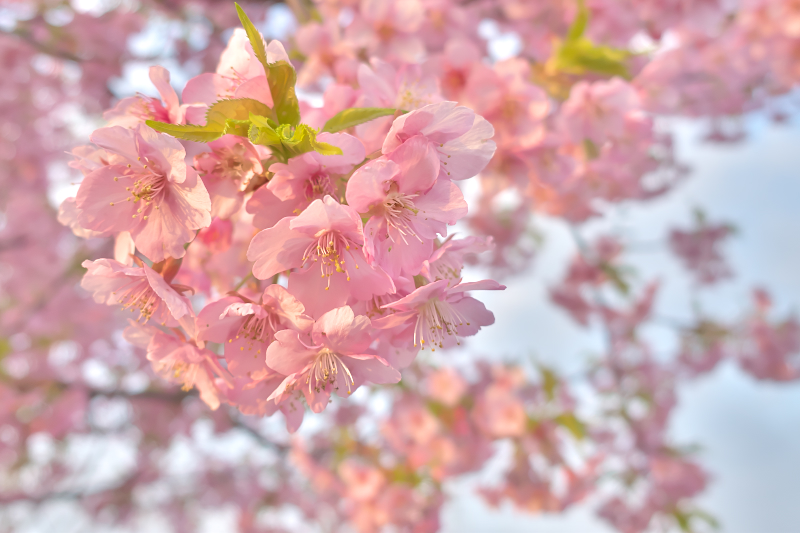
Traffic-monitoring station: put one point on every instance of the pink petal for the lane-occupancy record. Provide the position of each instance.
(178, 305)
(369, 184)
(289, 308)
(444, 203)
(165, 149)
(467, 155)
(205, 89)
(268, 209)
(257, 89)
(352, 153)
(277, 249)
(328, 214)
(246, 358)
(160, 78)
(342, 332)
(317, 294)
(483, 285)
(371, 370)
(211, 327)
(287, 355)
(367, 280)
(419, 165)
(422, 295)
(102, 200)
(121, 142)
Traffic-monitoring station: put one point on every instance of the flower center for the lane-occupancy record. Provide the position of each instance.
(325, 371)
(150, 188)
(319, 185)
(329, 250)
(435, 321)
(138, 295)
(232, 163)
(446, 267)
(258, 329)
(149, 109)
(400, 211)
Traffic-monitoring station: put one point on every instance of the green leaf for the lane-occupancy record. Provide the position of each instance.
(188, 132)
(262, 132)
(223, 117)
(590, 149)
(549, 382)
(355, 116)
(238, 109)
(304, 139)
(572, 424)
(282, 78)
(287, 141)
(615, 276)
(578, 26)
(578, 55)
(254, 36)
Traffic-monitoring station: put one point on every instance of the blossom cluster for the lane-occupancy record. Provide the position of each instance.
(353, 271)
(273, 252)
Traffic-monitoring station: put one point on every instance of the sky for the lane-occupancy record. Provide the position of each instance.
(748, 431)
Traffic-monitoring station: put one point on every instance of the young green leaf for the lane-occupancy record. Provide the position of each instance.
(236, 109)
(571, 423)
(304, 139)
(549, 382)
(189, 132)
(355, 116)
(578, 26)
(256, 40)
(282, 78)
(583, 56)
(261, 132)
(288, 141)
(223, 117)
(578, 55)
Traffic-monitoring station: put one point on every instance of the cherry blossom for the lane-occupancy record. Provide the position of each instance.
(147, 189)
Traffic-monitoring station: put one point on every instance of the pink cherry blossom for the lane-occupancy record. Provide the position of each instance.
(409, 206)
(239, 74)
(505, 96)
(327, 234)
(387, 28)
(226, 172)
(446, 386)
(334, 359)
(181, 362)
(499, 413)
(311, 176)
(461, 138)
(247, 328)
(448, 259)
(146, 189)
(383, 85)
(596, 111)
(440, 313)
(136, 109)
(137, 289)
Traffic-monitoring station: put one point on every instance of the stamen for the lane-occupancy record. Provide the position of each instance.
(399, 211)
(328, 251)
(258, 329)
(325, 371)
(318, 186)
(137, 295)
(435, 321)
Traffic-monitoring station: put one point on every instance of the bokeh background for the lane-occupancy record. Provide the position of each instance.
(748, 431)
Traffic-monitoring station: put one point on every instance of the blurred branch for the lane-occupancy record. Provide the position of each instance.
(41, 47)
